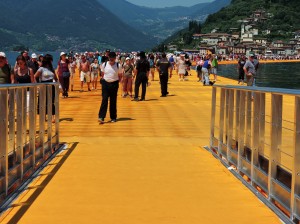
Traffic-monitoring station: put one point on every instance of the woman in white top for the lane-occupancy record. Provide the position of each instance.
(46, 74)
(181, 67)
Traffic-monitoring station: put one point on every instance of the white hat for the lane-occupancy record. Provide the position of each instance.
(34, 55)
(2, 54)
(128, 58)
(62, 53)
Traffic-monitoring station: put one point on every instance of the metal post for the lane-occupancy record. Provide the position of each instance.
(237, 114)
(276, 132)
(213, 114)
(20, 128)
(241, 128)
(4, 140)
(42, 111)
(221, 121)
(32, 123)
(230, 121)
(255, 135)
(295, 187)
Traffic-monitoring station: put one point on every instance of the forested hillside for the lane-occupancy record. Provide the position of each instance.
(282, 20)
(66, 24)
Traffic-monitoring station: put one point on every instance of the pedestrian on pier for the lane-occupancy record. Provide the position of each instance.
(111, 75)
(141, 76)
(164, 68)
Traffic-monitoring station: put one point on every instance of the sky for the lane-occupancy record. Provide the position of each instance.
(166, 3)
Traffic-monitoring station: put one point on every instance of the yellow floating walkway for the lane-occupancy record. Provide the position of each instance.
(148, 168)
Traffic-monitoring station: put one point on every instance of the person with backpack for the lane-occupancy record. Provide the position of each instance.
(141, 76)
(111, 75)
(6, 71)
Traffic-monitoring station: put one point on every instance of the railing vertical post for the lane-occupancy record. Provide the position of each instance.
(32, 123)
(230, 121)
(226, 115)
(295, 187)
(4, 140)
(241, 128)
(237, 117)
(262, 119)
(56, 103)
(248, 119)
(42, 112)
(213, 114)
(276, 132)
(49, 112)
(11, 120)
(221, 121)
(20, 128)
(255, 135)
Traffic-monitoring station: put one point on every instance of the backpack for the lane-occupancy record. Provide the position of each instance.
(106, 63)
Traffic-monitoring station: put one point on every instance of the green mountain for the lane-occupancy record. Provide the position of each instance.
(283, 16)
(62, 25)
(161, 22)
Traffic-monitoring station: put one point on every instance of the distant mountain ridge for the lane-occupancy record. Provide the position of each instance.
(161, 22)
(52, 25)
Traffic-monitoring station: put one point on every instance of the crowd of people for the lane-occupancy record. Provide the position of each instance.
(111, 68)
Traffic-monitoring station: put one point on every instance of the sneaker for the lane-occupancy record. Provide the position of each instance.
(101, 120)
(141, 99)
(113, 120)
(135, 99)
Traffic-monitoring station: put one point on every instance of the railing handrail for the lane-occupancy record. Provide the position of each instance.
(262, 89)
(266, 157)
(29, 127)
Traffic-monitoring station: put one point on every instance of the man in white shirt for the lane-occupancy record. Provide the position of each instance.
(111, 75)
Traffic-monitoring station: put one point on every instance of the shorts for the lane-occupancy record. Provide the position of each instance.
(85, 75)
(94, 76)
(213, 71)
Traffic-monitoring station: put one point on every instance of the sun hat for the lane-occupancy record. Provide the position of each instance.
(2, 54)
(33, 55)
(62, 53)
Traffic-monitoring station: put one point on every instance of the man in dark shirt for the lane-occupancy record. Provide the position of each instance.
(164, 66)
(33, 64)
(141, 73)
(6, 72)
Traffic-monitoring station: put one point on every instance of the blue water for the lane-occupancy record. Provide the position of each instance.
(11, 56)
(278, 75)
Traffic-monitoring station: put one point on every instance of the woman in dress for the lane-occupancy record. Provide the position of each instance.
(181, 67)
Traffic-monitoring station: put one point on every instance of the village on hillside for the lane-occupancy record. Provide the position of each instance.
(247, 38)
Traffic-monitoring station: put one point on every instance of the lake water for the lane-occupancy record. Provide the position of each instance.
(278, 75)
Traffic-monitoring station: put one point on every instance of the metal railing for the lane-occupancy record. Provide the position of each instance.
(256, 132)
(28, 135)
